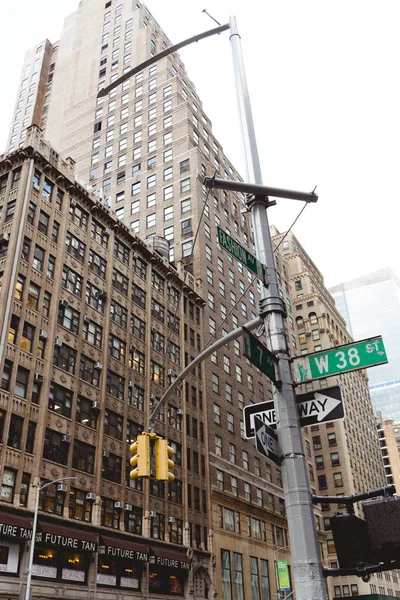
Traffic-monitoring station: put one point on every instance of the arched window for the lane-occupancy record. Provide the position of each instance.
(299, 322)
(313, 318)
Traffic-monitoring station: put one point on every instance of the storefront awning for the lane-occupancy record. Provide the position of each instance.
(169, 557)
(15, 526)
(123, 548)
(67, 537)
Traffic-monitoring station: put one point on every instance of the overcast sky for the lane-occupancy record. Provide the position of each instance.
(323, 82)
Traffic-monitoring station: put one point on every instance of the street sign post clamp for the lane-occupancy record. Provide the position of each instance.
(259, 199)
(271, 305)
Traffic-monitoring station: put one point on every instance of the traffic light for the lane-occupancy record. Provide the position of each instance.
(351, 540)
(164, 464)
(383, 523)
(141, 459)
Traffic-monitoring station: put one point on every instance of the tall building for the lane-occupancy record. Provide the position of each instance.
(389, 439)
(346, 453)
(370, 306)
(82, 367)
(144, 151)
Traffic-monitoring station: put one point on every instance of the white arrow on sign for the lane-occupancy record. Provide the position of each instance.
(321, 406)
(266, 441)
(313, 407)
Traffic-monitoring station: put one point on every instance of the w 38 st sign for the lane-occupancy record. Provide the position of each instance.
(342, 359)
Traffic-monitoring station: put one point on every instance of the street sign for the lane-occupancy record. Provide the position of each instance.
(314, 407)
(266, 441)
(240, 253)
(259, 355)
(321, 406)
(342, 359)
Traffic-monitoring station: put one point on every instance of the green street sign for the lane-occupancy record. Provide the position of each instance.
(283, 575)
(342, 359)
(259, 355)
(240, 253)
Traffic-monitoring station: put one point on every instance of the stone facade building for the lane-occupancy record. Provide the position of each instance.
(82, 364)
(346, 453)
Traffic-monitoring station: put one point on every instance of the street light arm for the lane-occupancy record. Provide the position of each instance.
(229, 337)
(54, 481)
(196, 38)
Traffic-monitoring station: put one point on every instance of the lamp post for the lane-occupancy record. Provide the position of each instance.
(278, 592)
(32, 548)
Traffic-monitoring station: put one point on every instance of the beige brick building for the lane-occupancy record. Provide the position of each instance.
(347, 458)
(389, 440)
(82, 364)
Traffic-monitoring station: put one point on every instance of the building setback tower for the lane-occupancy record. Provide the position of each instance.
(370, 306)
(347, 456)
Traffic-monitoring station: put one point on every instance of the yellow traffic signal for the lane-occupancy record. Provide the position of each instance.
(164, 464)
(141, 459)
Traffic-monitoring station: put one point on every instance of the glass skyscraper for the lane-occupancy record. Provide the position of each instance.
(370, 306)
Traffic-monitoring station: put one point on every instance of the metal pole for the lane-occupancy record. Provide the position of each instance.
(32, 548)
(232, 335)
(308, 578)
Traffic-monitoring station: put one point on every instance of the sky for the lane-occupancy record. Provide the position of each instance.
(323, 85)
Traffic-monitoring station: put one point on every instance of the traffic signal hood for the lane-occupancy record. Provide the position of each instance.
(164, 464)
(141, 457)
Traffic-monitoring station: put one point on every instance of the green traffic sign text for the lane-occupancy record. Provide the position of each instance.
(259, 355)
(238, 252)
(352, 357)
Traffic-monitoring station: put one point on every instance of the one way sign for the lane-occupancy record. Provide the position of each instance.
(314, 407)
(266, 441)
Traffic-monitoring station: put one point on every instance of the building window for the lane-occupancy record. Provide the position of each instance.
(51, 501)
(226, 574)
(15, 432)
(68, 318)
(21, 382)
(110, 517)
(115, 385)
(64, 357)
(90, 370)
(56, 447)
(112, 468)
(83, 457)
(60, 399)
(79, 508)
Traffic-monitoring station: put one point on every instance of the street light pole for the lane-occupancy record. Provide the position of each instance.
(306, 561)
(32, 548)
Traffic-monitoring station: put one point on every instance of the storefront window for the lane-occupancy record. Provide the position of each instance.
(121, 573)
(162, 581)
(59, 564)
(9, 557)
